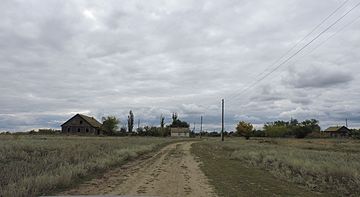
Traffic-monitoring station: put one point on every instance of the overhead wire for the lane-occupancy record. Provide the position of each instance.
(304, 38)
(296, 53)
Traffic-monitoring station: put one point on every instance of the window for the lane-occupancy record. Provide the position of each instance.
(87, 130)
(78, 129)
(80, 121)
(68, 129)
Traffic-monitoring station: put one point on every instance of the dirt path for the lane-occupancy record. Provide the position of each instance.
(172, 171)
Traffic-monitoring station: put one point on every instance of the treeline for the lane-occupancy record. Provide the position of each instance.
(279, 128)
(110, 126)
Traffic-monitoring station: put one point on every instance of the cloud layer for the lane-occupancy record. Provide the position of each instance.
(58, 58)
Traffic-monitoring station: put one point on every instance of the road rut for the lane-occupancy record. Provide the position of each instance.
(172, 171)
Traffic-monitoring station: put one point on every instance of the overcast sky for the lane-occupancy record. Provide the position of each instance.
(98, 58)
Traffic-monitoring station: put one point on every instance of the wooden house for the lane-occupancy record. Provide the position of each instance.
(81, 124)
(338, 131)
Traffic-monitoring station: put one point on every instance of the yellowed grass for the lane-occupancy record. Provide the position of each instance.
(31, 166)
(321, 165)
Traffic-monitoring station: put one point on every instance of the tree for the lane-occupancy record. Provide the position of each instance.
(110, 125)
(174, 117)
(282, 128)
(244, 129)
(162, 121)
(306, 127)
(130, 121)
(178, 123)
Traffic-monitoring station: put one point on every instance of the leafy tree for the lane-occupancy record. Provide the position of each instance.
(110, 125)
(306, 127)
(130, 121)
(178, 123)
(294, 122)
(276, 129)
(282, 128)
(244, 129)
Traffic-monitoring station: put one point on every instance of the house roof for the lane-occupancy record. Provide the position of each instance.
(91, 120)
(334, 129)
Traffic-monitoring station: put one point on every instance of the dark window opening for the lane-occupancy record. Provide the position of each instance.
(78, 130)
(80, 121)
(87, 130)
(68, 129)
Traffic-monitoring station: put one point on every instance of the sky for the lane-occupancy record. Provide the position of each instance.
(156, 57)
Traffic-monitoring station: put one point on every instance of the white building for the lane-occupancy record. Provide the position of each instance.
(180, 132)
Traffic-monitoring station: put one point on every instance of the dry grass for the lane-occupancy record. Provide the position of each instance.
(31, 166)
(322, 165)
(235, 178)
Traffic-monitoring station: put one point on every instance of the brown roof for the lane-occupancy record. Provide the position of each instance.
(91, 120)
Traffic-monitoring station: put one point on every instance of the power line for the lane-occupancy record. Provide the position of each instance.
(306, 36)
(327, 39)
(297, 52)
(334, 34)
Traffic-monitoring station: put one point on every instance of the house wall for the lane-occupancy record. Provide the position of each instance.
(342, 132)
(179, 132)
(77, 125)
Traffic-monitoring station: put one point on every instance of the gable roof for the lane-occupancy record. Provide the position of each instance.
(91, 120)
(335, 129)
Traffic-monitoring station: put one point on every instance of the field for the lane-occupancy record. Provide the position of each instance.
(63, 165)
(36, 165)
(283, 167)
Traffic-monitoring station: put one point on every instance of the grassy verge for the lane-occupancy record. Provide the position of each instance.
(37, 165)
(233, 177)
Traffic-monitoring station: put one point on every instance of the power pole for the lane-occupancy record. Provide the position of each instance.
(138, 123)
(222, 120)
(200, 126)
(346, 122)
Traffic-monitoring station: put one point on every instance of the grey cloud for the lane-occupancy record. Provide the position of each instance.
(59, 57)
(319, 77)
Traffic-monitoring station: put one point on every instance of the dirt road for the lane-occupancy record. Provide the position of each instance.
(172, 171)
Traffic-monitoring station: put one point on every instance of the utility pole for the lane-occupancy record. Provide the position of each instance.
(200, 126)
(138, 123)
(222, 120)
(346, 122)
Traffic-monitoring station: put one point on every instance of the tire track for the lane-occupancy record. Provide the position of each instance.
(172, 171)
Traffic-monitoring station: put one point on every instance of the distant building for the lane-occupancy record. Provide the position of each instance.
(180, 132)
(338, 131)
(81, 124)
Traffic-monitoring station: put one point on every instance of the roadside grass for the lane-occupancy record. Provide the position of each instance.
(38, 165)
(323, 165)
(234, 178)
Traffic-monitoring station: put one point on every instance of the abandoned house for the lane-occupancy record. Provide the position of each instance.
(180, 132)
(81, 124)
(338, 131)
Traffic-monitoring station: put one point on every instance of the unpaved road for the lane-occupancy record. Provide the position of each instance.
(172, 171)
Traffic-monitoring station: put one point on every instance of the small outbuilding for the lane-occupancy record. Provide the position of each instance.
(81, 124)
(338, 131)
(180, 132)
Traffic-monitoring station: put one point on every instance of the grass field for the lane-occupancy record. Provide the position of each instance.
(239, 167)
(36, 165)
